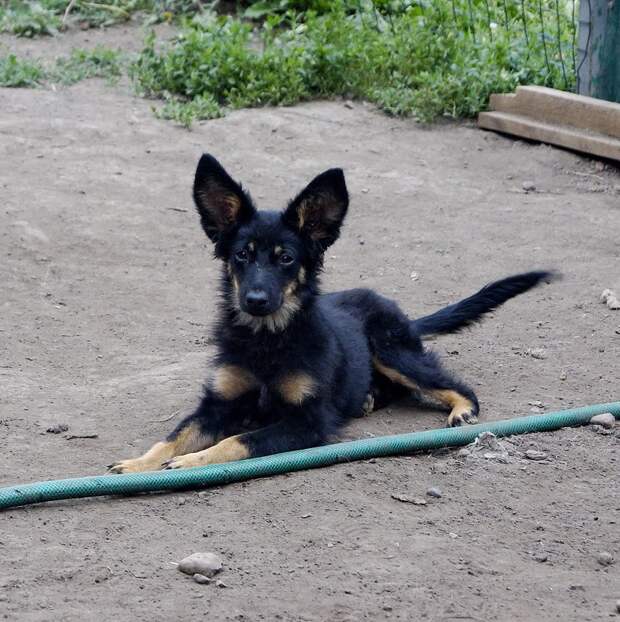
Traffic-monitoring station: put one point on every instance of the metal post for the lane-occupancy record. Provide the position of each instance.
(598, 73)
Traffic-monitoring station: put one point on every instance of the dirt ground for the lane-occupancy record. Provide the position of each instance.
(107, 293)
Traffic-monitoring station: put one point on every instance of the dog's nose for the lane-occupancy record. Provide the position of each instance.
(256, 300)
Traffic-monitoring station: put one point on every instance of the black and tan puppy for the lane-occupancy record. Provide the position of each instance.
(293, 365)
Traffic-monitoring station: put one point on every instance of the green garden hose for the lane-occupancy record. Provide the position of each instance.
(216, 474)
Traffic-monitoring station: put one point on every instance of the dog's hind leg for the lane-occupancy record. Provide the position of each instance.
(420, 371)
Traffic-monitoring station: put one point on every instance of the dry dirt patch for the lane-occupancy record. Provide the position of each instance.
(107, 296)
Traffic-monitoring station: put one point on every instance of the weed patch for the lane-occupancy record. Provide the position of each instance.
(425, 60)
(99, 62)
(16, 72)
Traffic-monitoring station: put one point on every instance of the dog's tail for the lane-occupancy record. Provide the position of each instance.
(470, 310)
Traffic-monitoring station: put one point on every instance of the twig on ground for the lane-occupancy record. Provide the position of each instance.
(174, 414)
(67, 11)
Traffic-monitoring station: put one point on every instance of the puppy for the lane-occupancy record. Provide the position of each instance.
(292, 364)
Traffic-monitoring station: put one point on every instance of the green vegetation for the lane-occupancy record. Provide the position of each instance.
(81, 64)
(99, 62)
(28, 19)
(187, 112)
(16, 72)
(417, 59)
(45, 17)
(425, 58)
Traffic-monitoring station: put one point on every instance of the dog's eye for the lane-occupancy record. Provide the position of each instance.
(242, 255)
(285, 259)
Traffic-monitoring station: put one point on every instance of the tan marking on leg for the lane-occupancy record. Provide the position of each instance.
(231, 448)
(295, 388)
(188, 439)
(462, 408)
(232, 381)
(394, 375)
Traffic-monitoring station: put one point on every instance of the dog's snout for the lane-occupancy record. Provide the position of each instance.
(257, 301)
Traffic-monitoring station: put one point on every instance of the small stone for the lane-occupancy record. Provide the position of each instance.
(534, 454)
(453, 535)
(306, 515)
(200, 578)
(536, 403)
(605, 558)
(528, 186)
(495, 455)
(537, 353)
(541, 557)
(414, 276)
(57, 429)
(610, 299)
(434, 492)
(463, 452)
(220, 583)
(607, 420)
(348, 104)
(563, 376)
(208, 564)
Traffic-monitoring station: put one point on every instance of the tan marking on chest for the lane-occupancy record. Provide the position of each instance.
(232, 381)
(297, 387)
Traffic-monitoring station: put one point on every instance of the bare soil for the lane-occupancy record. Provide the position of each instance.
(107, 293)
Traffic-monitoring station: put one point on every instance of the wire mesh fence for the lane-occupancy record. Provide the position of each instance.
(545, 32)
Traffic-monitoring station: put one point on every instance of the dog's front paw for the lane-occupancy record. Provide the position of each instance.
(185, 462)
(460, 416)
(136, 465)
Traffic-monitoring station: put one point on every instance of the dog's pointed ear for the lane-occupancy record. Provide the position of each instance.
(317, 211)
(221, 202)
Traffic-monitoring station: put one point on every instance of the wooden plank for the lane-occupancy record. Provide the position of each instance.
(564, 136)
(556, 117)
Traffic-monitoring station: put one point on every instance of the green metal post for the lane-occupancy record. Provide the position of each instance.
(599, 49)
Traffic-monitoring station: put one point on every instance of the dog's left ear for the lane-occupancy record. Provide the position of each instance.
(317, 211)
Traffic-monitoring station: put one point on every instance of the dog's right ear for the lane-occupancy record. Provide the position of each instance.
(221, 202)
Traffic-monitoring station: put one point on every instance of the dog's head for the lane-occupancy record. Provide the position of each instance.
(272, 258)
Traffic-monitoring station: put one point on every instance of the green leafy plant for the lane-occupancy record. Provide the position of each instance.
(29, 19)
(410, 58)
(16, 72)
(99, 62)
(186, 112)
